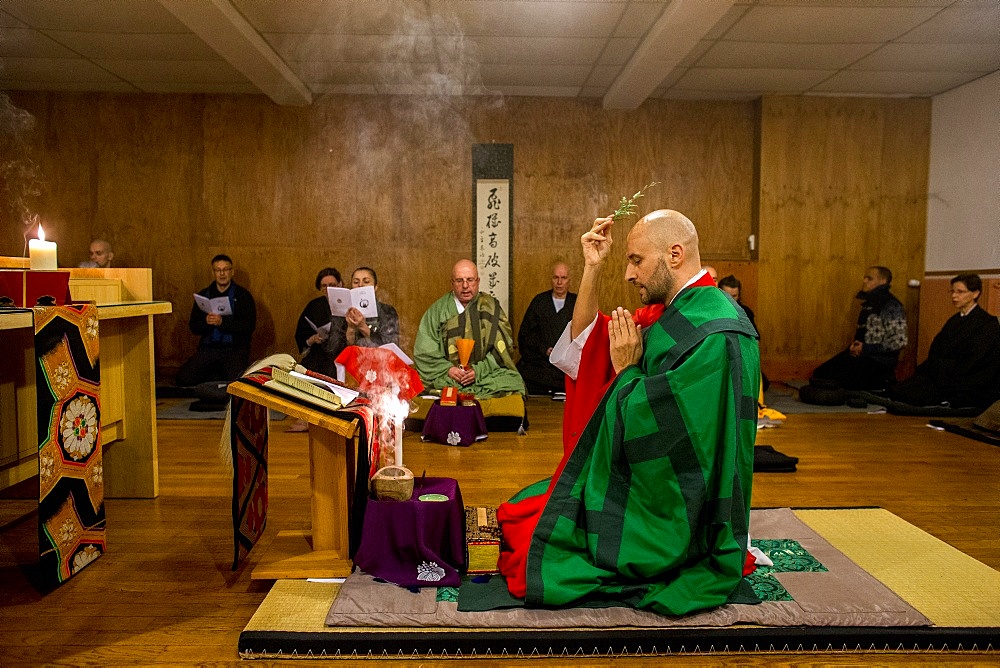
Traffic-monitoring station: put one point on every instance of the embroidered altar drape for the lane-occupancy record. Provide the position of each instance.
(71, 522)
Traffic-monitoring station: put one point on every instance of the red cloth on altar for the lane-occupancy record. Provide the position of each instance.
(596, 373)
(379, 369)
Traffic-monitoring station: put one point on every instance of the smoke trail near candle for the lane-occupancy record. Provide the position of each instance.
(20, 178)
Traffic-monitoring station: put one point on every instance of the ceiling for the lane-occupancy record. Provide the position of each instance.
(622, 51)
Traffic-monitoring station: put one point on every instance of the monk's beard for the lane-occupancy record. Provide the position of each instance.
(660, 287)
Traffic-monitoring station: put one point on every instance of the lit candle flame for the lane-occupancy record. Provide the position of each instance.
(41, 233)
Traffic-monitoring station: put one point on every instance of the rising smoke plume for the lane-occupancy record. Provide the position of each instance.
(19, 173)
(430, 74)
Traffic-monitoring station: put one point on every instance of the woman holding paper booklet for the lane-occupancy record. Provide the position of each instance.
(352, 328)
(314, 323)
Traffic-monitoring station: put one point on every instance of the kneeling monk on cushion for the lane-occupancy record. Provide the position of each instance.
(650, 505)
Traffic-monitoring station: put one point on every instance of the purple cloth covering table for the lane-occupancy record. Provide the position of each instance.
(454, 425)
(416, 543)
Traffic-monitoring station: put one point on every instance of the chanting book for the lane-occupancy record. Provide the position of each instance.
(313, 390)
(219, 305)
(361, 298)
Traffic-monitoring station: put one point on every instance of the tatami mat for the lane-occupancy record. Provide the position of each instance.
(951, 588)
(948, 586)
(295, 605)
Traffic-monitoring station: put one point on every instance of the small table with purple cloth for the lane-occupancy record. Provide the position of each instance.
(416, 543)
(454, 425)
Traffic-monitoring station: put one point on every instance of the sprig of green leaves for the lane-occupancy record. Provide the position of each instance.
(627, 206)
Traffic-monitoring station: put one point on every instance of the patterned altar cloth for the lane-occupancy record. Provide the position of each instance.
(71, 522)
(248, 440)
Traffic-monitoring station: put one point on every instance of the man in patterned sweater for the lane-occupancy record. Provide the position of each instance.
(869, 363)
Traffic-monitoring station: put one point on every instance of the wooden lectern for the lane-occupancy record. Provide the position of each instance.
(333, 443)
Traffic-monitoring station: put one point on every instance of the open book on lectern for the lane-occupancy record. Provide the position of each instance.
(311, 389)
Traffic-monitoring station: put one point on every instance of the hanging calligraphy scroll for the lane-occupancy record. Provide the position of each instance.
(492, 216)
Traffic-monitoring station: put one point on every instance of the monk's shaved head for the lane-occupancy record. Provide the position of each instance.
(464, 268)
(666, 227)
(662, 250)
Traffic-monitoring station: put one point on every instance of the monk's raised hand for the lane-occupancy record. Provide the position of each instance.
(597, 241)
(626, 339)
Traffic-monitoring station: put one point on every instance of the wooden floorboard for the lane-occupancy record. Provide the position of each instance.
(165, 593)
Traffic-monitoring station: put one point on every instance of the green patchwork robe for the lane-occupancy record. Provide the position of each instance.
(652, 506)
(483, 320)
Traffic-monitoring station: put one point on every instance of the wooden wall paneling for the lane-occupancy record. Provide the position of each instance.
(838, 194)
(935, 309)
(175, 179)
(990, 299)
(902, 230)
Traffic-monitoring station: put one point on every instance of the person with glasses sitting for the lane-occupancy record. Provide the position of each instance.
(224, 348)
(962, 369)
(467, 313)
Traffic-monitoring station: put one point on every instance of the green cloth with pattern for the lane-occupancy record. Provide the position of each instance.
(653, 506)
(484, 321)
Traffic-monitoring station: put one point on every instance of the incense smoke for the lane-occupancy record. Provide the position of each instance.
(19, 173)
(430, 78)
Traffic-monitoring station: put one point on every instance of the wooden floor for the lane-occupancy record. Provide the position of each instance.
(164, 592)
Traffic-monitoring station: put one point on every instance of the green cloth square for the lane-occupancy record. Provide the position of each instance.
(788, 557)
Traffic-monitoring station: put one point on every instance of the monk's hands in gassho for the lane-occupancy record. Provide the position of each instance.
(596, 241)
(462, 376)
(626, 339)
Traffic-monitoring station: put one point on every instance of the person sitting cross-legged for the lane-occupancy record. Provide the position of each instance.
(467, 313)
(962, 369)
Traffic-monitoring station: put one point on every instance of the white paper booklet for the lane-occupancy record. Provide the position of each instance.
(218, 305)
(325, 329)
(361, 298)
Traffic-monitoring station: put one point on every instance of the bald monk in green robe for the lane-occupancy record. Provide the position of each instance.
(650, 505)
(467, 313)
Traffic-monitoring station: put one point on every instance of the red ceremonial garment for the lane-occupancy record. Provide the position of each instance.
(379, 370)
(596, 373)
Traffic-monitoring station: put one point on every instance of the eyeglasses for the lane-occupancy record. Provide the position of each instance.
(465, 281)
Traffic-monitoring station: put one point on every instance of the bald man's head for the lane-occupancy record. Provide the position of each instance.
(465, 281)
(101, 253)
(662, 251)
(560, 280)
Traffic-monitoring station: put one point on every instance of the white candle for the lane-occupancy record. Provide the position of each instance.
(41, 253)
